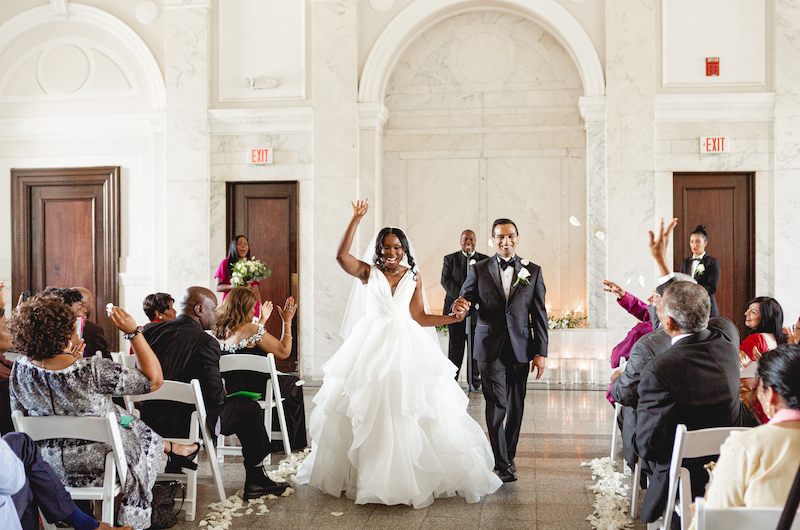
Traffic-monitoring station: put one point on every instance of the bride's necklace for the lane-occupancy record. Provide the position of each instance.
(396, 272)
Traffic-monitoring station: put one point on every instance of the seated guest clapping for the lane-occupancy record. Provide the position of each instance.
(237, 334)
(793, 333)
(756, 468)
(187, 352)
(51, 378)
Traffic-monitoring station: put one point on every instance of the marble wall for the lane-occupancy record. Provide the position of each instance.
(484, 123)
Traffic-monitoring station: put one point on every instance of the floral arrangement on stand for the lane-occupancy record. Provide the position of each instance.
(248, 271)
(568, 320)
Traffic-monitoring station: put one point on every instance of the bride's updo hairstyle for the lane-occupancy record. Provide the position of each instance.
(403, 242)
(233, 311)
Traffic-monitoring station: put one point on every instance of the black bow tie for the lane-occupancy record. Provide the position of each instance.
(504, 264)
(696, 259)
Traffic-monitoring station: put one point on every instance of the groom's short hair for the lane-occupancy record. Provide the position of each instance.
(504, 222)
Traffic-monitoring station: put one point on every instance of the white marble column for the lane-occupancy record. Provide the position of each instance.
(787, 156)
(371, 119)
(187, 155)
(336, 166)
(630, 140)
(593, 112)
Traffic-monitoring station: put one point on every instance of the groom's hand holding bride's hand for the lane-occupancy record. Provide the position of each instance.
(460, 306)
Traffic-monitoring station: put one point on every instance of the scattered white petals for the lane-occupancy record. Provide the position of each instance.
(337, 514)
(611, 504)
(272, 497)
(248, 511)
(287, 492)
(203, 523)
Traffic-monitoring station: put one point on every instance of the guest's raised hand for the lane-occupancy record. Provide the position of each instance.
(360, 208)
(658, 246)
(792, 334)
(122, 320)
(266, 311)
(289, 310)
(611, 287)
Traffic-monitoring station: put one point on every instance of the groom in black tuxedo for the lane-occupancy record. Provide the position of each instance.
(511, 332)
(454, 272)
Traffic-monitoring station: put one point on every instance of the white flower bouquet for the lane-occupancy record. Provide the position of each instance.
(248, 271)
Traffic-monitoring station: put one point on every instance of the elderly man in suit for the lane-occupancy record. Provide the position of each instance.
(454, 272)
(695, 382)
(510, 333)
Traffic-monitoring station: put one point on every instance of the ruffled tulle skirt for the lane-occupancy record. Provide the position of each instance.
(391, 425)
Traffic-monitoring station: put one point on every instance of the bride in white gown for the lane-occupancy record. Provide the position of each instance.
(390, 424)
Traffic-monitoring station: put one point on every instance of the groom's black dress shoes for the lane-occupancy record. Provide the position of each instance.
(254, 491)
(512, 467)
(505, 475)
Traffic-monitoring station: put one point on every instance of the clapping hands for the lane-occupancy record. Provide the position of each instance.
(289, 310)
(266, 311)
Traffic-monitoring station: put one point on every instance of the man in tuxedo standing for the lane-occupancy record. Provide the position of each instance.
(454, 272)
(511, 331)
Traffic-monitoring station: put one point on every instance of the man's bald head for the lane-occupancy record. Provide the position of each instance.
(200, 304)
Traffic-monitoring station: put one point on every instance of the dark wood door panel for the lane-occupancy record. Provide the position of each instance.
(65, 224)
(267, 214)
(724, 203)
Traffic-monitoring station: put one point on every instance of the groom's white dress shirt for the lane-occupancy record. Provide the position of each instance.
(506, 276)
(696, 263)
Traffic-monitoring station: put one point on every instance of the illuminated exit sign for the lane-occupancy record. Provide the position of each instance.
(260, 156)
(713, 144)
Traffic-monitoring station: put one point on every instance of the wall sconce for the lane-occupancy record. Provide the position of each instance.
(269, 82)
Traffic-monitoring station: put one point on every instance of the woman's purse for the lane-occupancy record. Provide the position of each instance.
(164, 514)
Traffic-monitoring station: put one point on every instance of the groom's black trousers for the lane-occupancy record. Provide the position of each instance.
(504, 387)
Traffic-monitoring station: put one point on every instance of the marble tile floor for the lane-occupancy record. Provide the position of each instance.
(563, 426)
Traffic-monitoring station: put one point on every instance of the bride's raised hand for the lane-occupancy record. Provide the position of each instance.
(266, 311)
(289, 310)
(360, 208)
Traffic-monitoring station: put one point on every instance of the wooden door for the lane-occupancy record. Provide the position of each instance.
(267, 214)
(65, 225)
(724, 203)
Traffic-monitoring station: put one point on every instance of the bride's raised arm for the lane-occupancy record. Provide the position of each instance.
(347, 261)
(417, 309)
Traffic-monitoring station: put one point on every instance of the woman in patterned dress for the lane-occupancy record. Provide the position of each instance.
(51, 378)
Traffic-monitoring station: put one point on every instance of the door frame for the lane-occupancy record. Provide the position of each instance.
(22, 183)
(294, 264)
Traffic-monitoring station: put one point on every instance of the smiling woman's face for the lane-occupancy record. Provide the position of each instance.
(242, 247)
(391, 251)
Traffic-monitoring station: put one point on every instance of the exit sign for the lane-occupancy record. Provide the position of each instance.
(260, 156)
(714, 144)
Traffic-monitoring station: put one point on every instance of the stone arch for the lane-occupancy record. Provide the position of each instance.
(36, 17)
(422, 14)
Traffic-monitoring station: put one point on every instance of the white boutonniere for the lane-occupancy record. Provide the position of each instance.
(522, 277)
(472, 261)
(700, 270)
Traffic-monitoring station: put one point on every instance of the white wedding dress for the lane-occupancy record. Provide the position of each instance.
(390, 424)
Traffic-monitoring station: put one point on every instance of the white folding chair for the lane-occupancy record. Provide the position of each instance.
(272, 398)
(188, 393)
(738, 518)
(11, 355)
(128, 361)
(615, 430)
(688, 444)
(95, 429)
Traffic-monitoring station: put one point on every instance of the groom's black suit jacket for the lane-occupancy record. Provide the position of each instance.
(523, 314)
(454, 272)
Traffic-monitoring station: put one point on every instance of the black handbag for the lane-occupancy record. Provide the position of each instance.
(164, 514)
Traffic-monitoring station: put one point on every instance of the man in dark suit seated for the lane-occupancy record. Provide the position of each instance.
(454, 272)
(187, 352)
(695, 382)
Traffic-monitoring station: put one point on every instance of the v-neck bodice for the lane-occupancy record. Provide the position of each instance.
(381, 302)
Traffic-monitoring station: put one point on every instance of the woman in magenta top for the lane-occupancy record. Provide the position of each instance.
(238, 249)
(764, 316)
